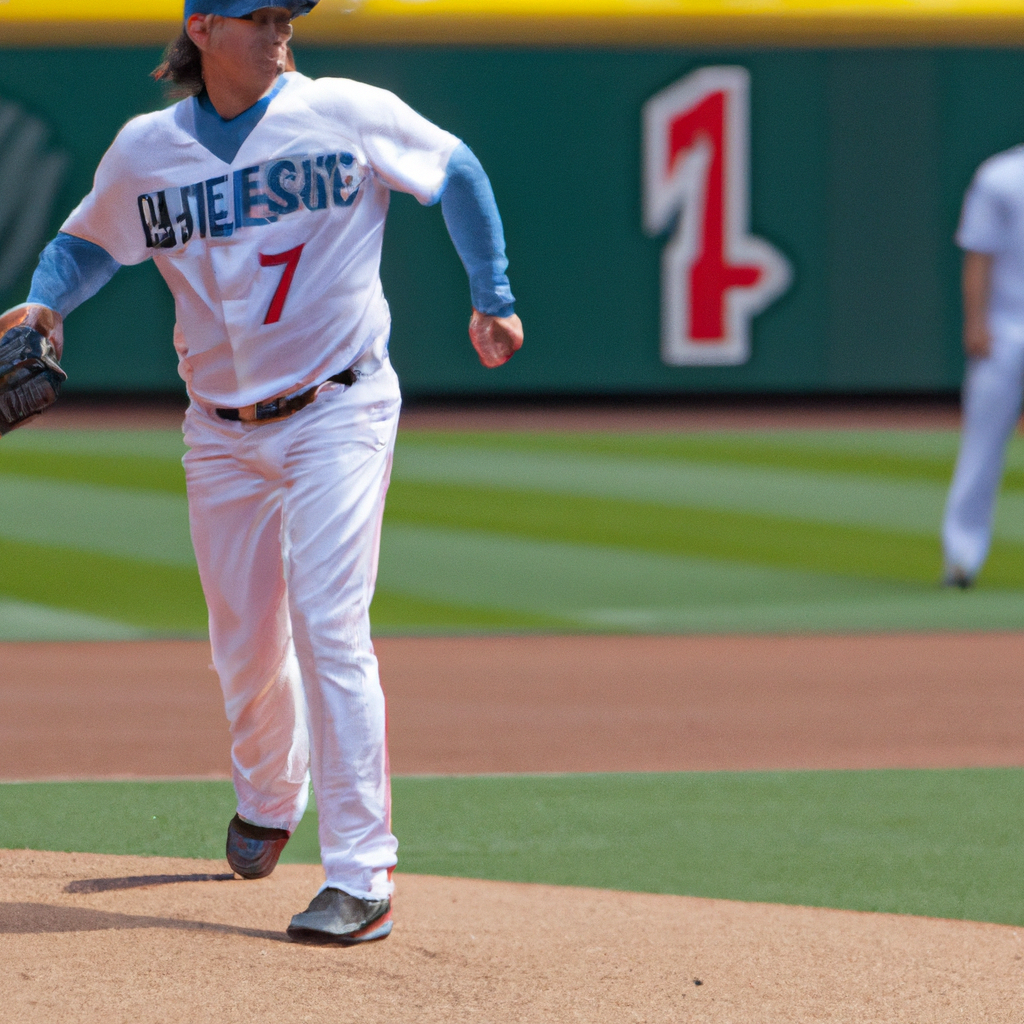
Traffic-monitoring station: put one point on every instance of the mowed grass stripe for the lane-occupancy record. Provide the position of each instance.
(827, 495)
(895, 455)
(21, 621)
(60, 458)
(733, 536)
(475, 568)
(137, 472)
(126, 458)
(146, 526)
(394, 612)
(55, 456)
(588, 528)
(905, 506)
(160, 444)
(763, 450)
(160, 597)
(762, 539)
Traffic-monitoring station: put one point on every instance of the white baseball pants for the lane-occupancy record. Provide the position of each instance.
(991, 407)
(286, 519)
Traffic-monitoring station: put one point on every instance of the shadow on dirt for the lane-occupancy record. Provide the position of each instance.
(44, 918)
(139, 882)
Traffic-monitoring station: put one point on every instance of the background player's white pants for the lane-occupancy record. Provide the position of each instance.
(991, 407)
(286, 520)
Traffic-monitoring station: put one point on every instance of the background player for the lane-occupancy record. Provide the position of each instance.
(991, 233)
(262, 199)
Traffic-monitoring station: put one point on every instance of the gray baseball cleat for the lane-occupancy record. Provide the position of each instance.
(955, 576)
(335, 917)
(253, 850)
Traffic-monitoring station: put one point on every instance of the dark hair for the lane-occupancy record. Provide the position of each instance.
(181, 70)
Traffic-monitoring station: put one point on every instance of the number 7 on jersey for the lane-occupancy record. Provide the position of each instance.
(289, 260)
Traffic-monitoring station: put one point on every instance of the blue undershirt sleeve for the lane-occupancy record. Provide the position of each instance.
(70, 271)
(471, 216)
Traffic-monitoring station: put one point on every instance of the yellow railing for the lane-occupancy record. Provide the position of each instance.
(551, 22)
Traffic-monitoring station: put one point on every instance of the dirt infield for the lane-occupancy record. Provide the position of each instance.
(549, 704)
(99, 939)
(154, 945)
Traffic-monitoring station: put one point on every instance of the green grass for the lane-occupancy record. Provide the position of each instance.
(937, 843)
(133, 471)
(900, 455)
(164, 598)
(148, 819)
(737, 531)
(401, 612)
(643, 526)
(781, 449)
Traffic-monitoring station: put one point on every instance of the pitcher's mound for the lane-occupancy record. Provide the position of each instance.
(89, 938)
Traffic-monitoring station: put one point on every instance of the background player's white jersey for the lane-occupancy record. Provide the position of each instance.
(992, 222)
(273, 259)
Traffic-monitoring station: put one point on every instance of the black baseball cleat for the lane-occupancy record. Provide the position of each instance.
(253, 850)
(336, 918)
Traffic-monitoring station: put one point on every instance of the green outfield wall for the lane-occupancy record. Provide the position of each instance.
(858, 158)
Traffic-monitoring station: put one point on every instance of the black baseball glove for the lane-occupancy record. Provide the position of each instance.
(30, 376)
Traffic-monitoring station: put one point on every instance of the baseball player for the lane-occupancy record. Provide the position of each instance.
(261, 197)
(991, 233)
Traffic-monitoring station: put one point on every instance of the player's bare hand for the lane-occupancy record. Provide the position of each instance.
(48, 322)
(977, 341)
(495, 338)
(976, 282)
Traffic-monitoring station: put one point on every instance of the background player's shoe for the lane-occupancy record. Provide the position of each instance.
(337, 918)
(253, 850)
(955, 576)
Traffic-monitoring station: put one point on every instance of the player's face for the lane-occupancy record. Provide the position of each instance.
(254, 46)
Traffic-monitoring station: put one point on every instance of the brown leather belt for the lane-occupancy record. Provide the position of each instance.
(279, 408)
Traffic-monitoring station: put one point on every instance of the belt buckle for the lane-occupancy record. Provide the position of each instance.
(268, 410)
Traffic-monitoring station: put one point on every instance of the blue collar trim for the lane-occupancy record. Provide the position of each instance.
(224, 138)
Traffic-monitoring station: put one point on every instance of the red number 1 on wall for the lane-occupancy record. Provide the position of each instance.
(715, 276)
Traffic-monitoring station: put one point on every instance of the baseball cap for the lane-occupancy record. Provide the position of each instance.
(240, 8)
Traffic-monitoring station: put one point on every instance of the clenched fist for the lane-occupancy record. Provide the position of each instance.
(495, 338)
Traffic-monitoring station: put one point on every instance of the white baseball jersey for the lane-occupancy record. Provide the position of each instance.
(992, 221)
(273, 258)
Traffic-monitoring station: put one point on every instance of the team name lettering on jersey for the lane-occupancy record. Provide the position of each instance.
(250, 197)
